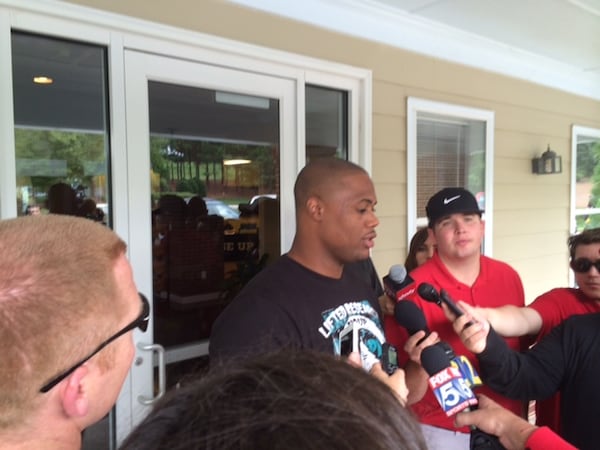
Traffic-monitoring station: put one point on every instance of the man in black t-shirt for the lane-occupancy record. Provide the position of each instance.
(317, 289)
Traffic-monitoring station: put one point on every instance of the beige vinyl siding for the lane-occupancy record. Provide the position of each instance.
(531, 212)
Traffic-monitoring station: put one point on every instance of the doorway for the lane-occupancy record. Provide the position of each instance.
(205, 149)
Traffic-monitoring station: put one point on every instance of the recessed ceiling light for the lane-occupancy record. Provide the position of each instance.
(236, 162)
(43, 80)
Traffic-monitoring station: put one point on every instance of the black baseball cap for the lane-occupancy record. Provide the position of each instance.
(449, 201)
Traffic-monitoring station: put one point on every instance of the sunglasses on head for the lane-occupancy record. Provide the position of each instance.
(140, 322)
(583, 265)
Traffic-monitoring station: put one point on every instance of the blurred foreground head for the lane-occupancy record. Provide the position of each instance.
(65, 287)
(284, 400)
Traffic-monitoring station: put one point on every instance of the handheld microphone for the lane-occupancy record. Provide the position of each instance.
(454, 394)
(409, 316)
(447, 383)
(397, 284)
(429, 293)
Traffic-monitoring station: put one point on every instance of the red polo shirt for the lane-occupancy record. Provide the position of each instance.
(497, 284)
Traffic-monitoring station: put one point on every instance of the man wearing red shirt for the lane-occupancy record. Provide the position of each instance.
(552, 307)
(458, 266)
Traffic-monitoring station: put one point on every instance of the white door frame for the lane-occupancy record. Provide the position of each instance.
(139, 69)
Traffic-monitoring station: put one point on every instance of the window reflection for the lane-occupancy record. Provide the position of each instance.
(61, 137)
(215, 202)
(326, 122)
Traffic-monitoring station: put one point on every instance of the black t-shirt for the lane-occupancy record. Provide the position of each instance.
(288, 305)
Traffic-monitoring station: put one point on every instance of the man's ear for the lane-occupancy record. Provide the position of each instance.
(314, 207)
(74, 397)
(431, 235)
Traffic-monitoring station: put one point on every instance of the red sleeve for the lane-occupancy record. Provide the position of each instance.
(544, 438)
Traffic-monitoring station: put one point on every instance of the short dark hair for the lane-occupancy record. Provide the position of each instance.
(586, 237)
(289, 399)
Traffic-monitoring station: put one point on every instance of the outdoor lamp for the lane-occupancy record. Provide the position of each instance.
(548, 163)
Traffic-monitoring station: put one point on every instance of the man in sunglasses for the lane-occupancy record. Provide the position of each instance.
(565, 360)
(551, 308)
(68, 305)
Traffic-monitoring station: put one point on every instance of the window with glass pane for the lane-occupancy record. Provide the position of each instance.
(587, 178)
(61, 132)
(326, 122)
(450, 152)
(215, 202)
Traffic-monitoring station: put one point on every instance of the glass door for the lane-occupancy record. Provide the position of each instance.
(212, 157)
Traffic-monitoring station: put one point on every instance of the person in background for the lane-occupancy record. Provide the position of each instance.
(457, 229)
(551, 308)
(68, 304)
(33, 210)
(288, 399)
(566, 359)
(420, 250)
(311, 294)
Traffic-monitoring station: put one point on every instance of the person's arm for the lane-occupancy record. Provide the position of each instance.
(534, 374)
(543, 438)
(512, 321)
(514, 432)
(472, 328)
(386, 304)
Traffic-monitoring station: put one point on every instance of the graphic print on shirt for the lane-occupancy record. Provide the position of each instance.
(365, 318)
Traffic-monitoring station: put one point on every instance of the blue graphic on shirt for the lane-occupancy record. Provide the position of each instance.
(370, 332)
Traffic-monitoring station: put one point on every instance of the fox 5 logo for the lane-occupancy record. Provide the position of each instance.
(454, 395)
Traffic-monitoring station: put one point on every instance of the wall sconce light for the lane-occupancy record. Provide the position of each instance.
(548, 163)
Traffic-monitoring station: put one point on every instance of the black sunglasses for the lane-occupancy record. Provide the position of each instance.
(140, 322)
(583, 265)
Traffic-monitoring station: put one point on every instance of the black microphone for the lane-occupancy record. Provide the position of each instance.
(410, 316)
(397, 284)
(453, 393)
(429, 293)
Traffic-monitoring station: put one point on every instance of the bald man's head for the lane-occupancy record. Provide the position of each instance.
(321, 177)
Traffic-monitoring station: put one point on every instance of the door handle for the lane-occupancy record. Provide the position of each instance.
(162, 372)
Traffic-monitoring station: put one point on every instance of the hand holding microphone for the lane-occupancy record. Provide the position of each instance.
(454, 394)
(447, 383)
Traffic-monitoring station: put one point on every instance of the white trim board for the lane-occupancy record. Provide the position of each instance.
(368, 20)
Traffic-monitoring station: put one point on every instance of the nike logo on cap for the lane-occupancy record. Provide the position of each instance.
(451, 199)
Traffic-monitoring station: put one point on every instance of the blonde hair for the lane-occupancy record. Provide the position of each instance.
(58, 301)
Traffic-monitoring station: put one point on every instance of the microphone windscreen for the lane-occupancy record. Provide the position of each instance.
(429, 293)
(398, 273)
(434, 359)
(409, 316)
